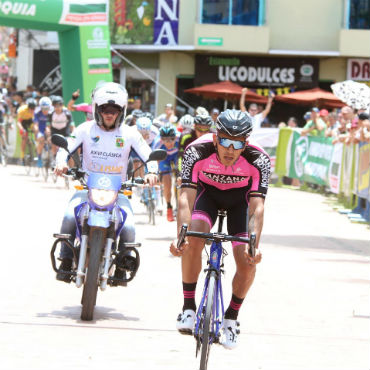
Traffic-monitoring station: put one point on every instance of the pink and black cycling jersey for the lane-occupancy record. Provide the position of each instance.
(201, 164)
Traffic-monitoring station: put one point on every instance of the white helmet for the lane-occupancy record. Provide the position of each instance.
(45, 102)
(143, 123)
(110, 93)
(187, 122)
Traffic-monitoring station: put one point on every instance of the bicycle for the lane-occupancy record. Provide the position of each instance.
(29, 156)
(151, 197)
(3, 151)
(209, 317)
(47, 159)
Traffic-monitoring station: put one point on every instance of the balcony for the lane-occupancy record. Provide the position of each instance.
(354, 43)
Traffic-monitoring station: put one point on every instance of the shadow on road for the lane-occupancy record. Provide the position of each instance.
(323, 243)
(100, 313)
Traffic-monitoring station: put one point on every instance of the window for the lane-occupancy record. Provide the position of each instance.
(233, 12)
(359, 14)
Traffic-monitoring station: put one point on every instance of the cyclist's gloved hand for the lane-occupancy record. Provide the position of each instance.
(254, 260)
(59, 170)
(177, 252)
(151, 179)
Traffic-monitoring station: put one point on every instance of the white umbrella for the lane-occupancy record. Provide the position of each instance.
(354, 94)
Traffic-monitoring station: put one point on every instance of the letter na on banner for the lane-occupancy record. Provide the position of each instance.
(166, 22)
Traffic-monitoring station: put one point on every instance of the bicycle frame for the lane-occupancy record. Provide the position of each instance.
(215, 263)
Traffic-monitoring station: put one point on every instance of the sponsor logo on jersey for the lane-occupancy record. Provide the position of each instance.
(264, 166)
(95, 139)
(190, 157)
(106, 154)
(119, 142)
(224, 179)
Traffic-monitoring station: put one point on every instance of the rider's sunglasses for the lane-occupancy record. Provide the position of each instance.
(227, 142)
(168, 139)
(108, 109)
(202, 129)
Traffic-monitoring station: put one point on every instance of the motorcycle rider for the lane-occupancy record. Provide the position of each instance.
(106, 145)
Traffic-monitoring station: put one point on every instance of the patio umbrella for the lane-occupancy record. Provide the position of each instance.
(354, 94)
(226, 90)
(317, 97)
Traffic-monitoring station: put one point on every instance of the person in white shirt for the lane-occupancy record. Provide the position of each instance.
(106, 145)
(257, 118)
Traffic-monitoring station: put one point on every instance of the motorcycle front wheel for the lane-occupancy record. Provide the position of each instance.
(90, 290)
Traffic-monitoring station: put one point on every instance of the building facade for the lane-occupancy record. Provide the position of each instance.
(166, 46)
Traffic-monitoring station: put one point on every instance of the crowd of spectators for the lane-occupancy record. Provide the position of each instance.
(344, 126)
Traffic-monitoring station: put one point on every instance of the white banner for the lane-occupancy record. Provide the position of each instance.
(335, 168)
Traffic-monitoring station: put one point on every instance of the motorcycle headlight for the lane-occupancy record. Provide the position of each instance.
(102, 197)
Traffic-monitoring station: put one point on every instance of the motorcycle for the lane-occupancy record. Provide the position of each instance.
(99, 221)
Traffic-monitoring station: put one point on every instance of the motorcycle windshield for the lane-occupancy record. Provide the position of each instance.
(97, 180)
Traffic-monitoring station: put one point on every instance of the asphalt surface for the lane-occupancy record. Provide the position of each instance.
(308, 307)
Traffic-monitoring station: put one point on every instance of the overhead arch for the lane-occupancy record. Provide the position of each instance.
(83, 32)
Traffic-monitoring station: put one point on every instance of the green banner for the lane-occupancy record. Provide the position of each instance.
(307, 158)
(285, 135)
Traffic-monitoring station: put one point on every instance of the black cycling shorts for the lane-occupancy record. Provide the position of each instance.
(210, 199)
(64, 132)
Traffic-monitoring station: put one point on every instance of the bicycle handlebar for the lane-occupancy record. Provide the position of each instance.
(218, 237)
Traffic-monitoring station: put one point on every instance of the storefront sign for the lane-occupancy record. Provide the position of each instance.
(358, 69)
(257, 72)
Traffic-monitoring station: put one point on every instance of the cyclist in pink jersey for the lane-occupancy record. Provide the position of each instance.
(222, 171)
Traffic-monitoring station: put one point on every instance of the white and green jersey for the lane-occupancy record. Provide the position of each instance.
(106, 151)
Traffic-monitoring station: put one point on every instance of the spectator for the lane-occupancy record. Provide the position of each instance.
(257, 117)
(168, 116)
(348, 116)
(281, 125)
(315, 126)
(332, 124)
(214, 114)
(82, 107)
(292, 122)
(137, 104)
(363, 129)
(340, 132)
(324, 115)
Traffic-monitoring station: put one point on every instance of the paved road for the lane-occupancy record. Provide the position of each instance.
(308, 308)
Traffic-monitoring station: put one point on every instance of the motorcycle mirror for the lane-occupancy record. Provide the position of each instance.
(157, 155)
(60, 141)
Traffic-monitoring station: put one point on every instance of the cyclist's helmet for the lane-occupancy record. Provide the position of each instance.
(137, 113)
(45, 103)
(187, 122)
(148, 115)
(113, 94)
(204, 120)
(167, 130)
(31, 103)
(234, 123)
(56, 99)
(143, 123)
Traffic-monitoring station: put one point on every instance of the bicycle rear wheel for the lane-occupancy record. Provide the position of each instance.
(207, 329)
(29, 158)
(4, 157)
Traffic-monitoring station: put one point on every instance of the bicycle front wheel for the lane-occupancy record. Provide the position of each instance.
(207, 323)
